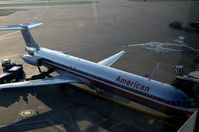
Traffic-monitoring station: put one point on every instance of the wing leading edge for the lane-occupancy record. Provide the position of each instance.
(112, 59)
(42, 82)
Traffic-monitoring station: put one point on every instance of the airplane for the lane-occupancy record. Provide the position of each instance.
(161, 96)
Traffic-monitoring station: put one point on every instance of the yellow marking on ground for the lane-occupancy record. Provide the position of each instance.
(163, 117)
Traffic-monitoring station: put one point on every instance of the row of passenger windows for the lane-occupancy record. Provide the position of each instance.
(177, 103)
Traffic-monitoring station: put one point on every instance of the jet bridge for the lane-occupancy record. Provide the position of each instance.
(188, 83)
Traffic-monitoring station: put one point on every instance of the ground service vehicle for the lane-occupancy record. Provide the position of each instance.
(11, 72)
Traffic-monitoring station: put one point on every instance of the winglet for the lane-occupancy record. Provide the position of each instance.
(111, 60)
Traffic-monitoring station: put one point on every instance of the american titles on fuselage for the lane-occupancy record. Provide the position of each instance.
(132, 84)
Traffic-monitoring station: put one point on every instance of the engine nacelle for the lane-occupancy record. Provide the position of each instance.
(33, 60)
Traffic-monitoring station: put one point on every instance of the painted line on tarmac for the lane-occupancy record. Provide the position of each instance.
(57, 126)
(163, 117)
(166, 46)
(9, 37)
(41, 13)
(10, 56)
(2, 126)
(6, 36)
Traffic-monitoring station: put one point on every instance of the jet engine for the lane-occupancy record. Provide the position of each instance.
(33, 60)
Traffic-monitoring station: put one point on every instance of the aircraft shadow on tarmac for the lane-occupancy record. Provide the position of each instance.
(9, 96)
(66, 110)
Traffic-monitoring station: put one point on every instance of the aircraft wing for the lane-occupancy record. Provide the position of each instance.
(111, 60)
(41, 82)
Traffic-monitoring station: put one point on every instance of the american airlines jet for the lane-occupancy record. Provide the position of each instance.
(76, 70)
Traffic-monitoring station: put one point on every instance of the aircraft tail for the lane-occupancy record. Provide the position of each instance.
(25, 33)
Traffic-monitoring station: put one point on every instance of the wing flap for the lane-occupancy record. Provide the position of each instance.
(111, 60)
(41, 82)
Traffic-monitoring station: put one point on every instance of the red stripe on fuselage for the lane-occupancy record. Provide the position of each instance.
(127, 93)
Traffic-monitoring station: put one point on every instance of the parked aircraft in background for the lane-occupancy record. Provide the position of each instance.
(76, 70)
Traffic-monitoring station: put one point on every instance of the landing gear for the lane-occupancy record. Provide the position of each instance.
(39, 69)
(42, 75)
(47, 73)
(97, 89)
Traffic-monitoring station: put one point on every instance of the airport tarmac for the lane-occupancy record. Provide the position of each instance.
(38, 109)
(93, 32)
